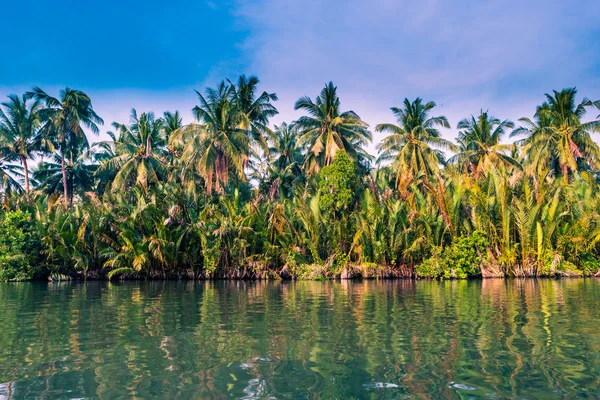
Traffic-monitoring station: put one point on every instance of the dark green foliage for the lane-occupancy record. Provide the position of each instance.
(19, 246)
(337, 185)
(461, 260)
(465, 256)
(226, 196)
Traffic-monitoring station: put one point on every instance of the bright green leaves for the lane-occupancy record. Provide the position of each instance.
(461, 260)
(19, 246)
(337, 186)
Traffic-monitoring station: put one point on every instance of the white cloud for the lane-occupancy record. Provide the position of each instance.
(500, 56)
(467, 56)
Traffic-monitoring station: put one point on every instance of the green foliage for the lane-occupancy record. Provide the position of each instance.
(464, 257)
(327, 129)
(589, 264)
(461, 260)
(337, 185)
(432, 267)
(412, 144)
(19, 246)
(227, 197)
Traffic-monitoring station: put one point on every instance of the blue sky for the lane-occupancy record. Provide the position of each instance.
(466, 55)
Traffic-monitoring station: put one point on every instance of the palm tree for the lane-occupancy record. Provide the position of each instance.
(558, 139)
(479, 144)
(285, 168)
(102, 152)
(18, 130)
(63, 120)
(138, 152)
(171, 122)
(327, 129)
(413, 145)
(285, 151)
(8, 173)
(48, 176)
(218, 143)
(255, 111)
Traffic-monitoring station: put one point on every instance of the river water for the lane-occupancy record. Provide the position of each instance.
(536, 339)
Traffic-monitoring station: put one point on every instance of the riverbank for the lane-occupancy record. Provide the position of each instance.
(312, 272)
(185, 202)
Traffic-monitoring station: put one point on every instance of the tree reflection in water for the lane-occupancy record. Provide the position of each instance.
(348, 339)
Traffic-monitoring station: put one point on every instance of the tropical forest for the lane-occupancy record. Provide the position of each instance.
(232, 195)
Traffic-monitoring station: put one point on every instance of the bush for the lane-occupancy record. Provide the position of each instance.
(431, 267)
(19, 246)
(590, 264)
(338, 185)
(461, 260)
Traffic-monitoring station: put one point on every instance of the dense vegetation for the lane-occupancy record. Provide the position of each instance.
(228, 195)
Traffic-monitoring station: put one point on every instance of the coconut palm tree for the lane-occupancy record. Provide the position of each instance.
(558, 139)
(171, 122)
(285, 168)
(479, 144)
(102, 152)
(138, 153)
(63, 120)
(285, 150)
(255, 110)
(326, 129)
(414, 144)
(217, 143)
(18, 131)
(8, 174)
(49, 178)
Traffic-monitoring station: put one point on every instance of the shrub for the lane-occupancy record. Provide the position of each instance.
(338, 184)
(461, 260)
(589, 264)
(19, 246)
(432, 266)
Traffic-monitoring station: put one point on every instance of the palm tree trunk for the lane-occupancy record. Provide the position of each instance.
(26, 169)
(565, 172)
(64, 177)
(71, 186)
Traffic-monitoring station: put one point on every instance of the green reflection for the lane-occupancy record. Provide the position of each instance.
(349, 339)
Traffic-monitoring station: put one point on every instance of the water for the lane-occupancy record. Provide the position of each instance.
(536, 339)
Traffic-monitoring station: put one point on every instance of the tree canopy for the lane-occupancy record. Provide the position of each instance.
(229, 194)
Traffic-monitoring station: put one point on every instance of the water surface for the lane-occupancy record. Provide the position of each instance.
(534, 339)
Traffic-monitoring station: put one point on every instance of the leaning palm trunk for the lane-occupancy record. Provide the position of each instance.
(26, 171)
(64, 178)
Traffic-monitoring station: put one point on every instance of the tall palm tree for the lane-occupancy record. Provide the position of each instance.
(102, 152)
(558, 139)
(286, 160)
(479, 144)
(63, 120)
(138, 152)
(413, 145)
(171, 122)
(18, 129)
(48, 176)
(218, 142)
(255, 110)
(8, 173)
(285, 150)
(326, 129)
